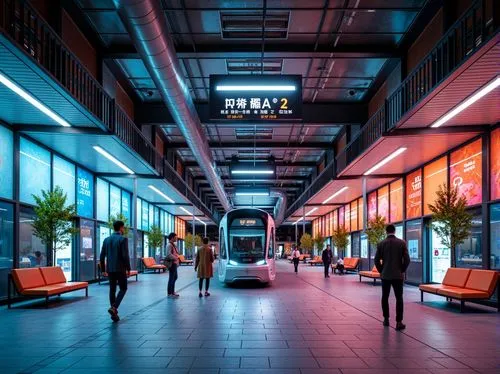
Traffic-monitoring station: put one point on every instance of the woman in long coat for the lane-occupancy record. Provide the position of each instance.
(203, 265)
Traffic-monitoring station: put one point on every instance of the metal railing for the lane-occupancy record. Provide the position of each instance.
(469, 33)
(31, 33)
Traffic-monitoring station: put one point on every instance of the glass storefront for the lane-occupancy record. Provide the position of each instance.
(32, 252)
(64, 258)
(414, 243)
(495, 236)
(469, 253)
(87, 250)
(6, 244)
(440, 256)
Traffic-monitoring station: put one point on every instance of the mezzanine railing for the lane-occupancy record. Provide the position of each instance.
(31, 33)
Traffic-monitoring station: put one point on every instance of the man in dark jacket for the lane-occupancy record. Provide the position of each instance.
(326, 257)
(115, 259)
(392, 260)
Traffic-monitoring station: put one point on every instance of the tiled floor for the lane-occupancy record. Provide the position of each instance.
(301, 324)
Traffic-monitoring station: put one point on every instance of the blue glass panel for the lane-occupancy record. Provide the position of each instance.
(114, 200)
(145, 216)
(102, 200)
(63, 175)
(138, 214)
(6, 163)
(34, 171)
(126, 206)
(151, 216)
(85, 193)
(157, 217)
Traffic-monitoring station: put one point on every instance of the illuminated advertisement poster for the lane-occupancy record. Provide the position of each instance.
(372, 205)
(383, 202)
(440, 257)
(414, 194)
(126, 206)
(361, 214)
(465, 172)
(145, 216)
(6, 163)
(435, 174)
(114, 200)
(396, 201)
(335, 220)
(495, 164)
(364, 246)
(413, 248)
(347, 217)
(354, 216)
(399, 231)
(327, 225)
(84, 193)
(342, 217)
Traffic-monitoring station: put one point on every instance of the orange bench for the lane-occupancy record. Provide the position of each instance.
(350, 264)
(316, 261)
(150, 264)
(102, 275)
(42, 282)
(373, 274)
(464, 285)
(182, 260)
(301, 257)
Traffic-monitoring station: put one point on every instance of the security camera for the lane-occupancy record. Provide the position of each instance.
(149, 93)
(351, 92)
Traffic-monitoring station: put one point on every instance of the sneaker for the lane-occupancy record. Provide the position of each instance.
(386, 322)
(175, 294)
(200, 295)
(115, 318)
(207, 293)
(400, 326)
(114, 314)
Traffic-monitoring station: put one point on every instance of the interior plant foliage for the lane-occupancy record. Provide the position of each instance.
(155, 237)
(455, 223)
(119, 217)
(340, 239)
(306, 243)
(375, 230)
(319, 242)
(53, 221)
(191, 242)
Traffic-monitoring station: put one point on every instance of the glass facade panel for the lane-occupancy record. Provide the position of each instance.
(354, 216)
(347, 217)
(361, 215)
(103, 232)
(435, 174)
(85, 193)
(138, 214)
(383, 202)
(32, 252)
(34, 171)
(414, 243)
(372, 205)
(396, 201)
(466, 171)
(356, 245)
(414, 194)
(63, 175)
(115, 200)
(145, 216)
(364, 246)
(440, 256)
(102, 189)
(469, 253)
(87, 250)
(126, 198)
(495, 164)
(6, 163)
(495, 236)
(6, 244)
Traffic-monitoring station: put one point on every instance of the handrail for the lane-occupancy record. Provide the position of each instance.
(469, 33)
(31, 33)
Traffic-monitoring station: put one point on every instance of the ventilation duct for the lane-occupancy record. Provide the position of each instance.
(280, 208)
(147, 26)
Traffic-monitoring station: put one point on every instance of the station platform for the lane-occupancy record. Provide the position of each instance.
(303, 323)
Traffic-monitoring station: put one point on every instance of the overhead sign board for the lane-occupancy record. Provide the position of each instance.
(256, 97)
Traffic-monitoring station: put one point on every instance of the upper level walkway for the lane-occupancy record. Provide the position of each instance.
(301, 324)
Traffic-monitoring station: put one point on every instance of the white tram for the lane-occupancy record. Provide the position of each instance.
(247, 246)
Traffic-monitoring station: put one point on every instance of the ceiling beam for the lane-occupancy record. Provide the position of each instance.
(60, 130)
(305, 164)
(283, 178)
(126, 175)
(250, 144)
(419, 131)
(325, 113)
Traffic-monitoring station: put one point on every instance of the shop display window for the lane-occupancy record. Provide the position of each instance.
(354, 216)
(361, 214)
(138, 214)
(495, 164)
(126, 206)
(396, 201)
(495, 236)
(32, 252)
(469, 253)
(34, 171)
(85, 193)
(115, 197)
(6, 244)
(63, 176)
(347, 217)
(102, 192)
(6, 163)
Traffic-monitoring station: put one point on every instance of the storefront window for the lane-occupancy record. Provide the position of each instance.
(85, 193)
(466, 172)
(126, 206)
(364, 246)
(495, 236)
(6, 244)
(414, 243)
(495, 164)
(440, 256)
(372, 205)
(383, 202)
(64, 259)
(87, 260)
(103, 232)
(34, 171)
(356, 244)
(114, 200)
(469, 253)
(354, 216)
(63, 175)
(396, 210)
(102, 190)
(32, 253)
(435, 174)
(138, 214)
(6, 163)
(414, 194)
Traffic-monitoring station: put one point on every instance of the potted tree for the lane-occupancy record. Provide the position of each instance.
(191, 242)
(340, 239)
(319, 242)
(455, 223)
(119, 217)
(306, 243)
(155, 239)
(375, 230)
(52, 224)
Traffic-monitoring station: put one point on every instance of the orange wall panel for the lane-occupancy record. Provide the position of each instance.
(435, 174)
(383, 202)
(495, 164)
(414, 194)
(466, 171)
(361, 215)
(354, 216)
(396, 201)
(347, 217)
(372, 205)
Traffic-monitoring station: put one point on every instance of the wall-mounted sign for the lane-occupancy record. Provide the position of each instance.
(256, 97)
(85, 193)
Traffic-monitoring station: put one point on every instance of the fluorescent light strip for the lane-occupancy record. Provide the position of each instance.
(252, 194)
(190, 213)
(335, 194)
(389, 158)
(113, 159)
(467, 103)
(161, 193)
(308, 213)
(30, 99)
(34, 158)
(252, 171)
(254, 88)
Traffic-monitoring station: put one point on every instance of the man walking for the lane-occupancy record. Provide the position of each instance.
(326, 257)
(295, 258)
(392, 260)
(115, 259)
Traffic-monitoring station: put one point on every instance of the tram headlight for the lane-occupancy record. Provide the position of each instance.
(232, 262)
(261, 262)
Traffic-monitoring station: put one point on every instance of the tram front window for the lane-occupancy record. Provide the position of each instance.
(247, 249)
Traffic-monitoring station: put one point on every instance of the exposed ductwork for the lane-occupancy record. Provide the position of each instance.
(280, 208)
(147, 25)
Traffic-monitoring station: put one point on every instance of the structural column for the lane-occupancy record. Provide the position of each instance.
(134, 218)
(365, 204)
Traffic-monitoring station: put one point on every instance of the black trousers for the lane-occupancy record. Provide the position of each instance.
(119, 278)
(327, 268)
(296, 264)
(207, 283)
(172, 277)
(397, 285)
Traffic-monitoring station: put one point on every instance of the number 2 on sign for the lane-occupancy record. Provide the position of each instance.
(284, 103)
